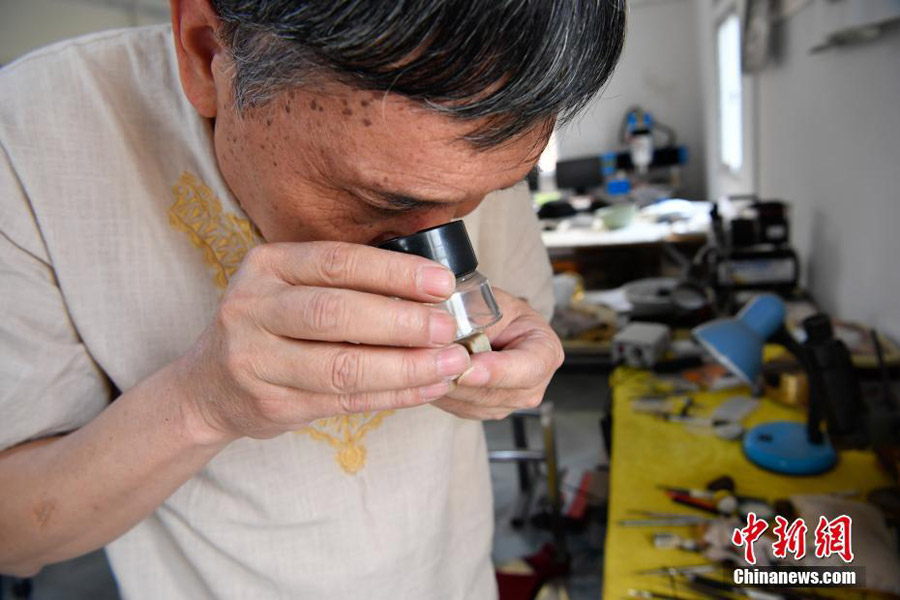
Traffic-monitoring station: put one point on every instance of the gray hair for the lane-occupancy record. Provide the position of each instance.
(512, 64)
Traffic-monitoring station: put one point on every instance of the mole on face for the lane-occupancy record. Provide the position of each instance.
(268, 122)
(347, 112)
(287, 108)
(367, 122)
(364, 103)
(313, 105)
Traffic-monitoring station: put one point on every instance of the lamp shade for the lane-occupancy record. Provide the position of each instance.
(784, 447)
(738, 343)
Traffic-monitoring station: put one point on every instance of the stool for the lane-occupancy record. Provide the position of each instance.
(526, 458)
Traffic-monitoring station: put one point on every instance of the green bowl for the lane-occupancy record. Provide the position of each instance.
(616, 216)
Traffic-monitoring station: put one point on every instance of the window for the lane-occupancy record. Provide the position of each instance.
(730, 110)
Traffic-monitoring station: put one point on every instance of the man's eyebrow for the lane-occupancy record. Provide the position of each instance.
(406, 202)
(399, 201)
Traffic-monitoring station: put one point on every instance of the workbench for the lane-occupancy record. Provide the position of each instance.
(648, 452)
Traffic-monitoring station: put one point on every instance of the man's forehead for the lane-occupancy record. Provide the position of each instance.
(436, 175)
(428, 150)
(390, 144)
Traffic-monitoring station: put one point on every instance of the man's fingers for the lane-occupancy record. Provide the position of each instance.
(313, 406)
(524, 364)
(337, 315)
(358, 267)
(348, 369)
(466, 409)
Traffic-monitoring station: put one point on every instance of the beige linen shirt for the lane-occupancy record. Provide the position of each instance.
(117, 238)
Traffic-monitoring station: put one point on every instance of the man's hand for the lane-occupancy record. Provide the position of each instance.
(527, 353)
(278, 354)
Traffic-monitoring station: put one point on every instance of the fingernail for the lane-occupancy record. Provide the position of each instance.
(475, 376)
(452, 361)
(441, 327)
(436, 281)
(433, 392)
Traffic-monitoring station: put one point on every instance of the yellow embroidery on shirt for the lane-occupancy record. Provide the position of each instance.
(345, 434)
(225, 238)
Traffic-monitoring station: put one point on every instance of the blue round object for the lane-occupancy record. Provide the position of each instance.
(784, 447)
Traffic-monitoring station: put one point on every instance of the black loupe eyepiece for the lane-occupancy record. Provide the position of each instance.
(447, 244)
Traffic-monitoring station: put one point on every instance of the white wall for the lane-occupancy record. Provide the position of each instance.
(829, 143)
(29, 24)
(659, 71)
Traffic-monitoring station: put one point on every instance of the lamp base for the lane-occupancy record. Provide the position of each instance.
(784, 447)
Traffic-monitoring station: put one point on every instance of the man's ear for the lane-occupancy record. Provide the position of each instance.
(194, 26)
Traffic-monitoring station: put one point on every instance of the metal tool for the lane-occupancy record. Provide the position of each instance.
(692, 492)
(648, 594)
(669, 540)
(674, 571)
(665, 522)
(663, 404)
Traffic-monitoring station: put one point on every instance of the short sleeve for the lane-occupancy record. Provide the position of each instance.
(48, 382)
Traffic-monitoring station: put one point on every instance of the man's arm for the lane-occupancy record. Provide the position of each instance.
(67, 495)
(272, 360)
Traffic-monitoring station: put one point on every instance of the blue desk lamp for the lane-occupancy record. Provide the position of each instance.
(785, 447)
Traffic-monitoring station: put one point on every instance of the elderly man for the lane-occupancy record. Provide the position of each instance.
(206, 366)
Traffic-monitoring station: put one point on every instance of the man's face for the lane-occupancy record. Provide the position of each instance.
(355, 166)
